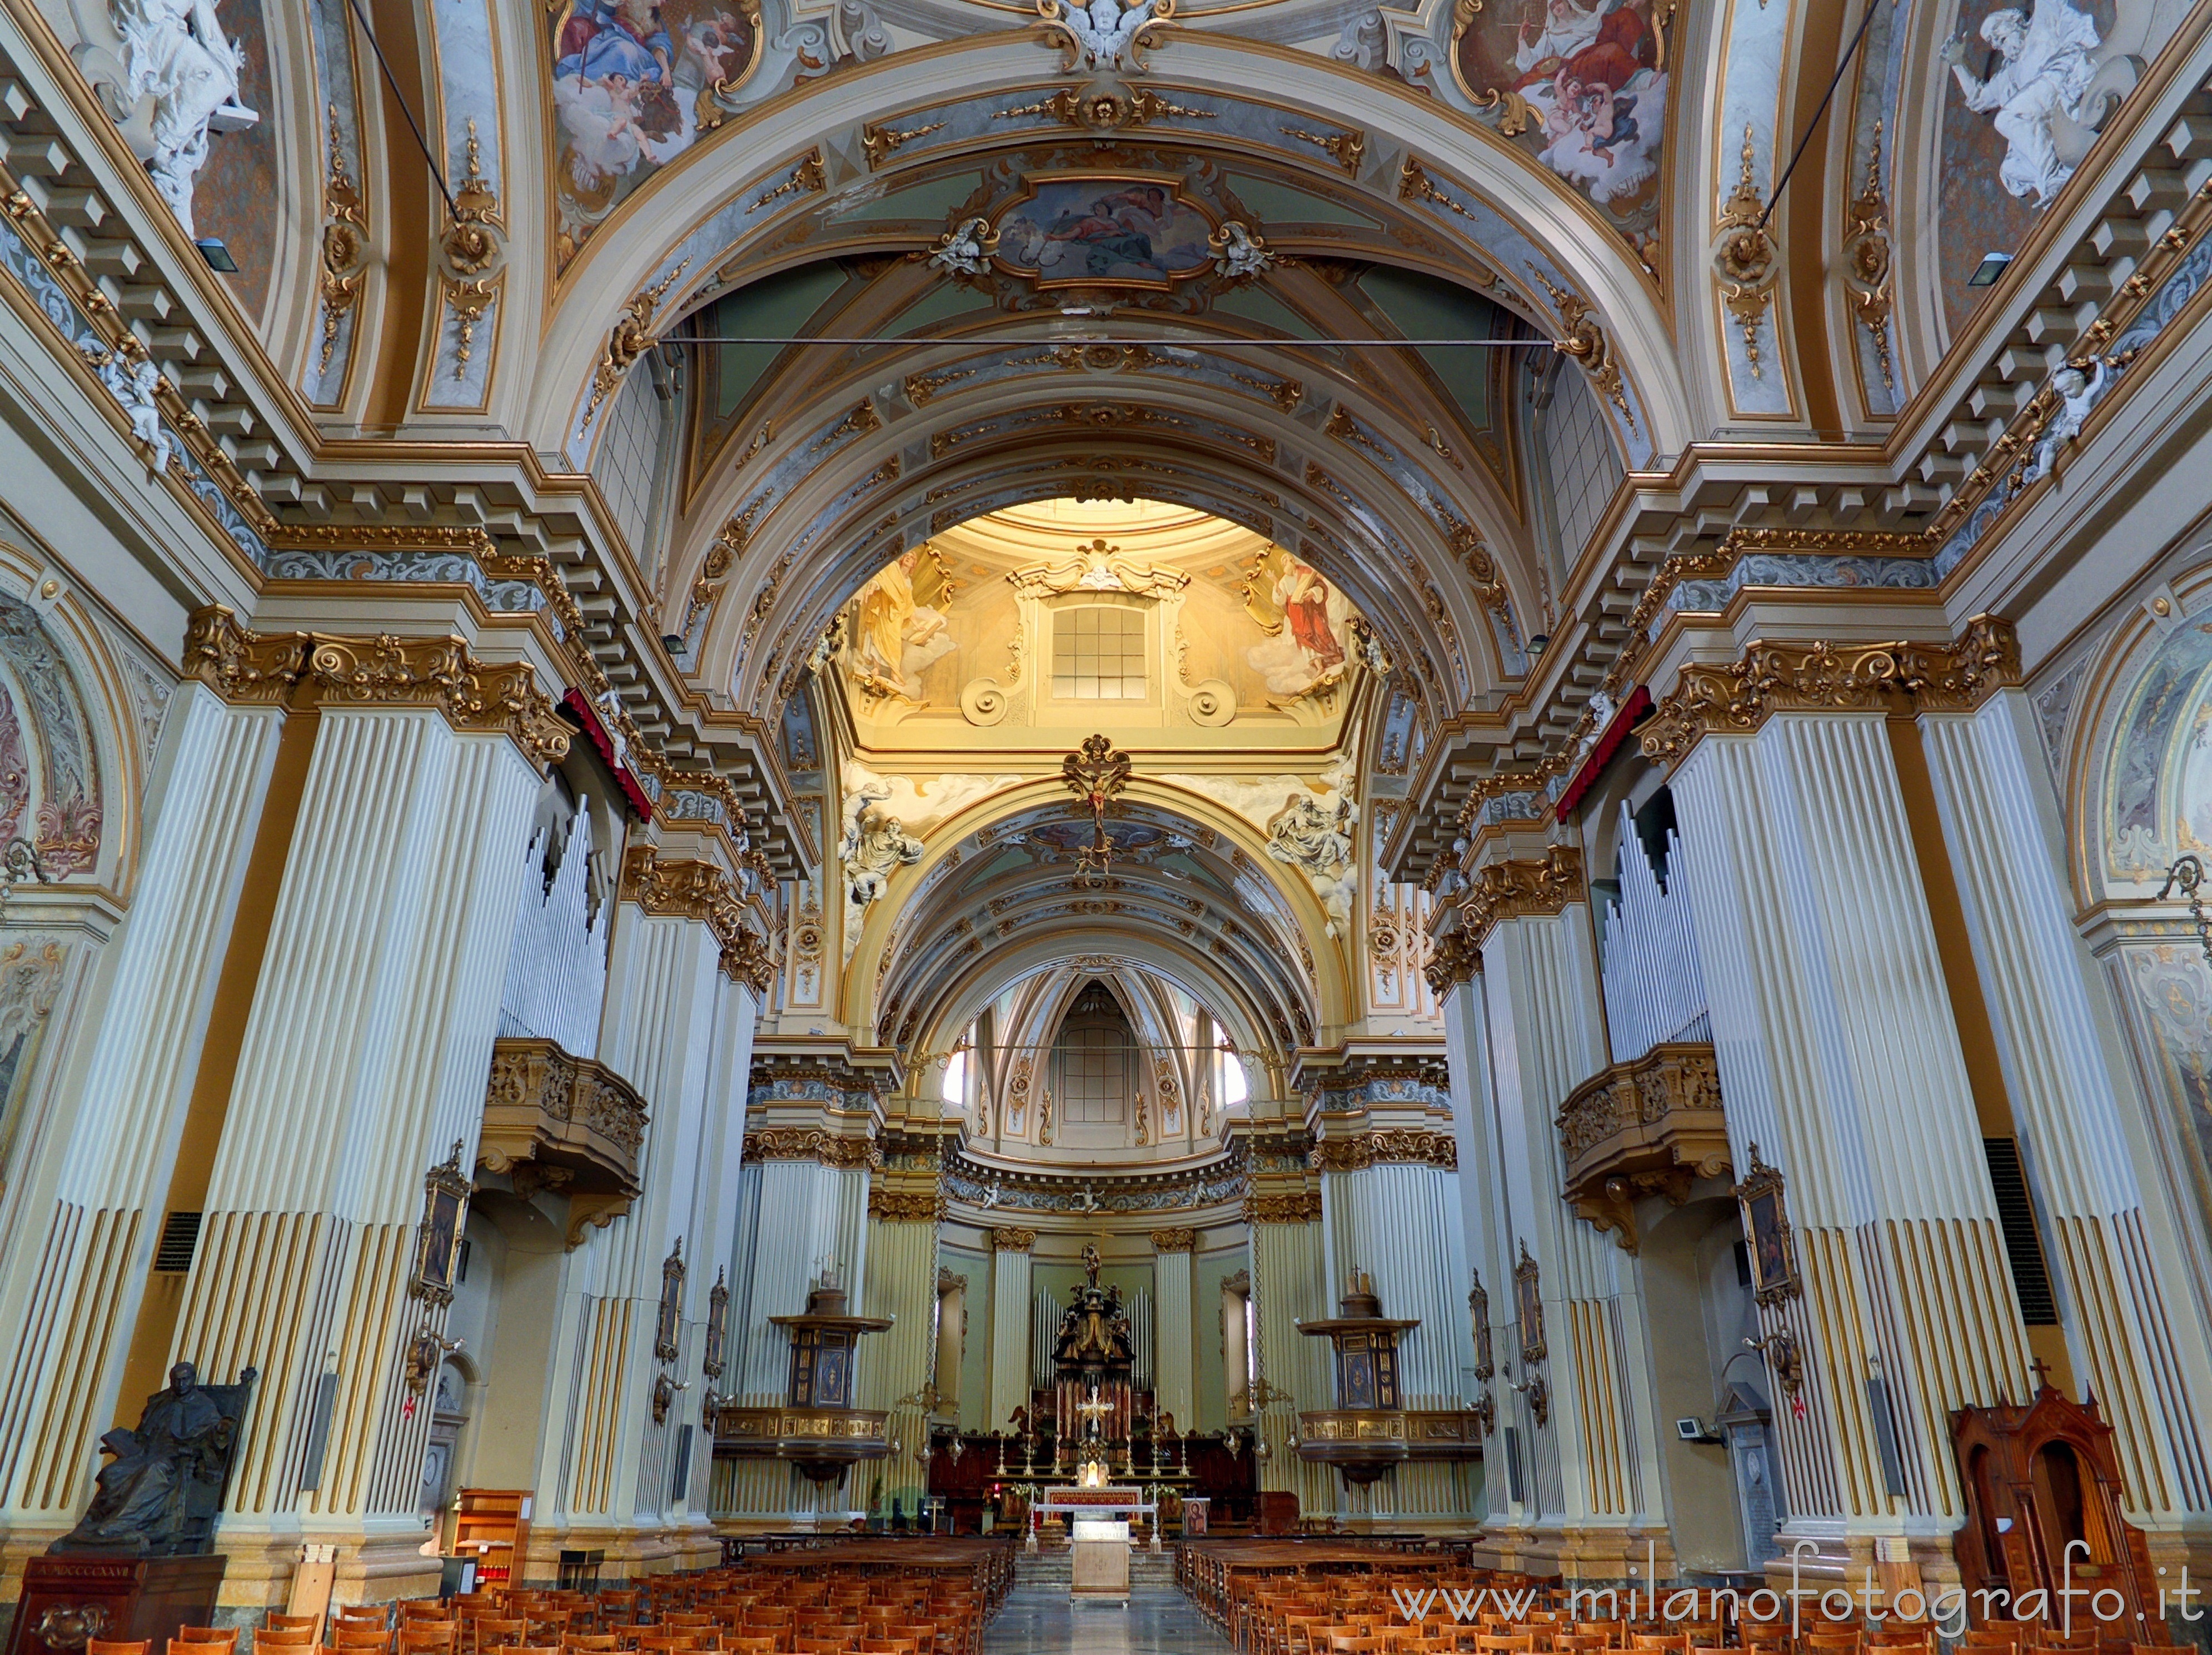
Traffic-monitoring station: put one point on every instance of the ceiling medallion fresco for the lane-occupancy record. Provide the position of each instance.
(634, 85)
(1582, 89)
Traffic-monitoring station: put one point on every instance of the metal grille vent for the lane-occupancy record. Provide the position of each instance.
(2031, 1277)
(180, 1239)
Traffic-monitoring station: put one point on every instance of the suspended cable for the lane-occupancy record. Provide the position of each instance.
(392, 81)
(1192, 346)
(1834, 81)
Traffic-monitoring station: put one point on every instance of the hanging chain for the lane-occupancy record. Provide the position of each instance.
(2188, 873)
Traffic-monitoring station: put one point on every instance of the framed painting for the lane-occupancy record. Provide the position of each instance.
(668, 1325)
(717, 1327)
(1766, 1234)
(1089, 230)
(1528, 1306)
(446, 1192)
(1478, 1310)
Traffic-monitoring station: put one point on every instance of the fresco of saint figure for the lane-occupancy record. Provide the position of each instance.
(1092, 230)
(1307, 618)
(901, 628)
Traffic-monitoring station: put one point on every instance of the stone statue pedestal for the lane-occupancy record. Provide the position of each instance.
(69, 1596)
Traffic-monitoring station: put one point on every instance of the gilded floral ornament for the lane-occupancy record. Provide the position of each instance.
(630, 339)
(1385, 1148)
(1868, 263)
(1457, 959)
(345, 245)
(1582, 338)
(1743, 257)
(779, 1143)
(671, 888)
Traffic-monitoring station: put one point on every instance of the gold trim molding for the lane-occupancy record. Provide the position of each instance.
(907, 1206)
(1403, 1146)
(811, 1143)
(1512, 891)
(1821, 677)
(320, 669)
(1013, 1240)
(1181, 1240)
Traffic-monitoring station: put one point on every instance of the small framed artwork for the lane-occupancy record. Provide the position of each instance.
(668, 1327)
(438, 1241)
(717, 1327)
(1766, 1234)
(1528, 1306)
(1478, 1310)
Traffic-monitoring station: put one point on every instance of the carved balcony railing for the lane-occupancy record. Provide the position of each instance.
(1363, 1442)
(564, 1124)
(1650, 1127)
(821, 1442)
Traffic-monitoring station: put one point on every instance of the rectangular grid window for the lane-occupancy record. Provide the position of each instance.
(1098, 654)
(1093, 1075)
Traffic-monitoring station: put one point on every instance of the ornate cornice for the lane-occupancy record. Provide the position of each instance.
(1821, 676)
(320, 669)
(804, 1143)
(1508, 890)
(1304, 1207)
(1454, 960)
(1181, 1240)
(676, 889)
(1403, 1146)
(906, 1206)
(1011, 1240)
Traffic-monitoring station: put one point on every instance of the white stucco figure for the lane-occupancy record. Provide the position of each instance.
(1239, 255)
(875, 845)
(174, 51)
(1106, 31)
(966, 250)
(132, 381)
(2048, 62)
(1318, 841)
(2079, 385)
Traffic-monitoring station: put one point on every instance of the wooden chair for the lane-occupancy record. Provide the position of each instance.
(275, 1623)
(378, 1642)
(286, 1638)
(208, 1638)
(123, 1647)
(499, 1632)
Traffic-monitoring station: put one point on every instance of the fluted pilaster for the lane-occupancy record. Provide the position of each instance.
(1010, 1324)
(2143, 1355)
(80, 1288)
(1171, 1314)
(1839, 1055)
(1290, 1283)
(902, 1282)
(363, 1061)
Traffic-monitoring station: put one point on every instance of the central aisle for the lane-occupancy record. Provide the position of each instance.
(1040, 1620)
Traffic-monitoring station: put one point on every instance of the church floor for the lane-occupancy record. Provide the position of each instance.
(1157, 1621)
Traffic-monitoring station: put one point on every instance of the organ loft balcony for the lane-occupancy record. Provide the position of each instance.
(1650, 1126)
(565, 1125)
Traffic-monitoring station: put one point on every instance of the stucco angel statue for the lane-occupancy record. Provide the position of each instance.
(1101, 35)
(966, 249)
(1238, 255)
(2048, 62)
(132, 380)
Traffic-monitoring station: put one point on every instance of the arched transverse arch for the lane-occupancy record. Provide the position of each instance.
(939, 985)
(1534, 221)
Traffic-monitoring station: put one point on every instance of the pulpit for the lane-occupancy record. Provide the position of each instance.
(2043, 1501)
(818, 1429)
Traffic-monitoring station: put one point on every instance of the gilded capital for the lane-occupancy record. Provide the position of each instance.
(1506, 890)
(800, 1143)
(1300, 1207)
(676, 889)
(1402, 1147)
(1012, 1241)
(906, 1206)
(1821, 677)
(1455, 959)
(320, 669)
(1181, 1240)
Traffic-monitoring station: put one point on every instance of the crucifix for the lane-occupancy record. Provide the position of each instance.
(1096, 774)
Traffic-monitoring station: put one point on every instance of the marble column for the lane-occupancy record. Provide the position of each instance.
(1581, 1414)
(107, 1181)
(1839, 1058)
(1174, 1391)
(2110, 1238)
(625, 1415)
(895, 1365)
(811, 1152)
(362, 1066)
(1010, 1324)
